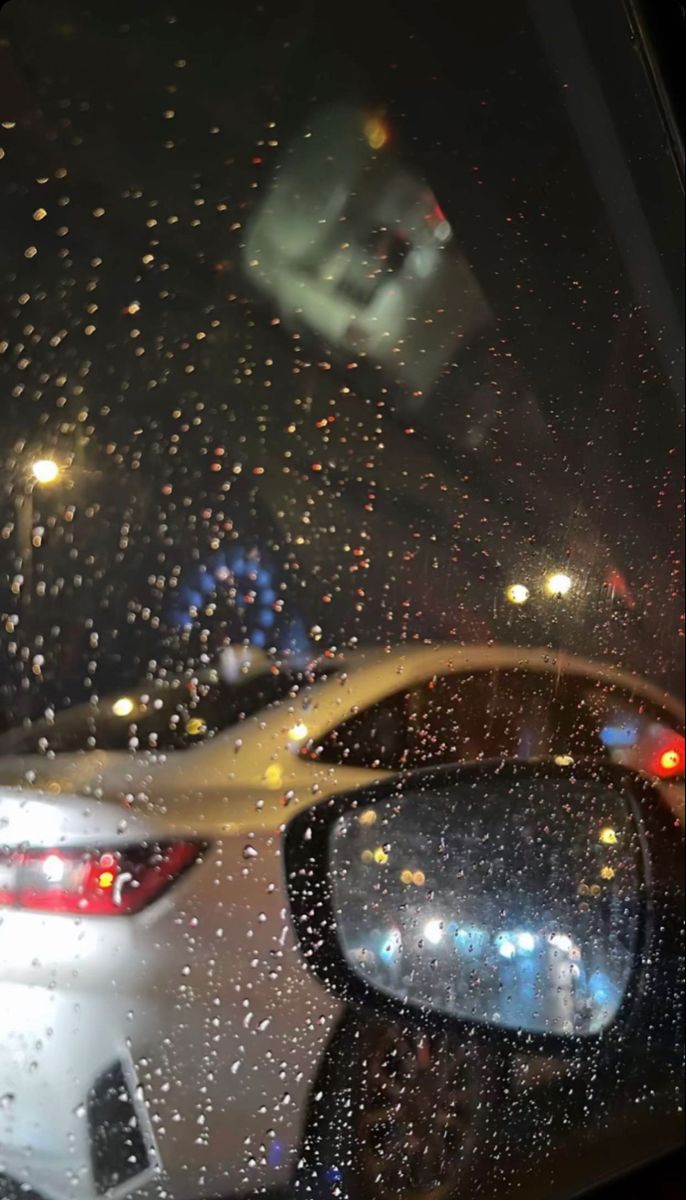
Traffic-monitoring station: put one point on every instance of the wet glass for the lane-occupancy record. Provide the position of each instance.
(350, 340)
(518, 907)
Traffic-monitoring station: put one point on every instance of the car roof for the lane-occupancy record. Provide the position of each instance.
(413, 661)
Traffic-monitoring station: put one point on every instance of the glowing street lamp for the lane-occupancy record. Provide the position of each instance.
(40, 472)
(45, 471)
(558, 584)
(517, 593)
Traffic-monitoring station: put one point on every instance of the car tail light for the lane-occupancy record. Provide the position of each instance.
(105, 882)
(668, 758)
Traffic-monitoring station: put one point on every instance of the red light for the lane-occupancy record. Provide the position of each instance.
(618, 586)
(436, 216)
(668, 759)
(91, 882)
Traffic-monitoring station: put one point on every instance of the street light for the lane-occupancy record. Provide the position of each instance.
(517, 593)
(41, 472)
(558, 584)
(45, 470)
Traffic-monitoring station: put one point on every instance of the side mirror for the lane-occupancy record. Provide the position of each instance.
(510, 895)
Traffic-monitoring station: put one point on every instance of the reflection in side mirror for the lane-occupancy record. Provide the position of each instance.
(509, 896)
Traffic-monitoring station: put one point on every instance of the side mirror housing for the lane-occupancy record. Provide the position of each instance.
(515, 897)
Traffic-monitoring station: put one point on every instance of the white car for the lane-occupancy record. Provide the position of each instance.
(350, 244)
(163, 1036)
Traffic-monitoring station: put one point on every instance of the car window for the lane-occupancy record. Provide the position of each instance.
(335, 341)
(501, 714)
(173, 715)
(374, 738)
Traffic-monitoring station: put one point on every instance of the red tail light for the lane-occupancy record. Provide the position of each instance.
(668, 759)
(110, 882)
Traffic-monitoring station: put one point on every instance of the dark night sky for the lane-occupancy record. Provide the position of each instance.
(144, 132)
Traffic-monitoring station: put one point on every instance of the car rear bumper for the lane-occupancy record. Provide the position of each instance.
(199, 1015)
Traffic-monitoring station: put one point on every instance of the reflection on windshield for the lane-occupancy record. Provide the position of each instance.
(363, 254)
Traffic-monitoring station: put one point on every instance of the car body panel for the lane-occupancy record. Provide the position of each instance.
(182, 993)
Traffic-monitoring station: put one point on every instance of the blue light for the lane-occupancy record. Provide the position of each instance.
(468, 938)
(604, 991)
(275, 1153)
(520, 941)
(206, 582)
(390, 946)
(251, 590)
(616, 736)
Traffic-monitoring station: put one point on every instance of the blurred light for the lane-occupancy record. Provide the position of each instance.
(376, 132)
(469, 938)
(275, 1153)
(195, 727)
(564, 760)
(273, 775)
(562, 941)
(526, 942)
(506, 947)
(105, 879)
(558, 584)
(123, 707)
(604, 991)
(671, 759)
(380, 855)
(390, 947)
(367, 856)
(45, 470)
(517, 593)
(298, 732)
(433, 932)
(608, 836)
(615, 736)
(53, 868)
(607, 873)
(368, 817)
(407, 875)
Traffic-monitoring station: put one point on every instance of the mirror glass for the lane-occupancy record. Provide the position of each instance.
(511, 904)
